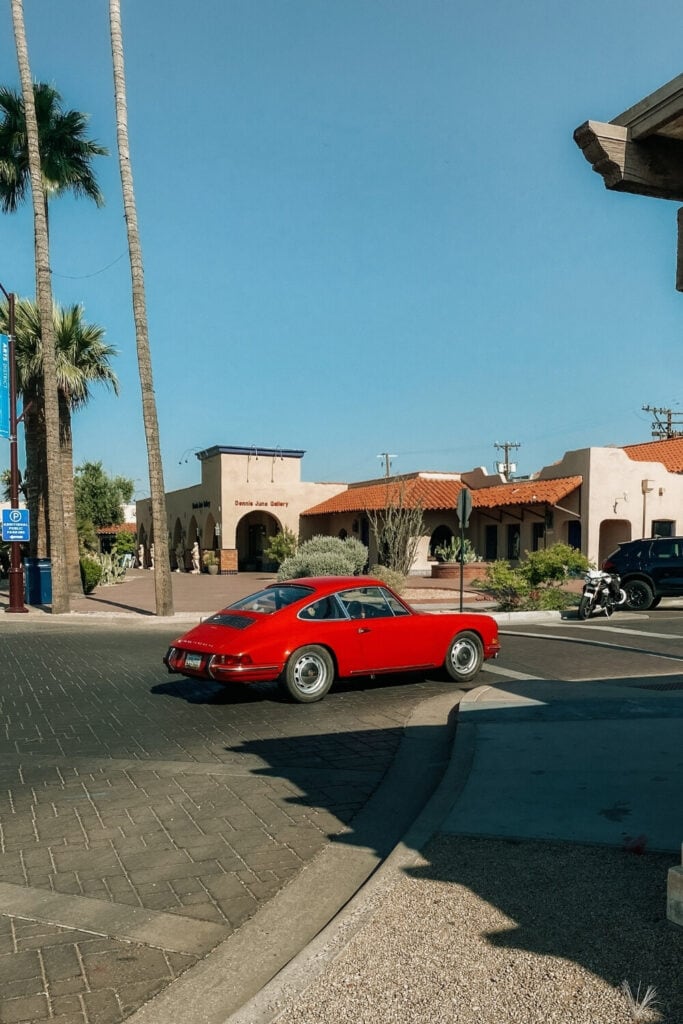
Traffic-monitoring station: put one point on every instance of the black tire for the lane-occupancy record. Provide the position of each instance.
(464, 657)
(585, 608)
(639, 595)
(308, 674)
(655, 602)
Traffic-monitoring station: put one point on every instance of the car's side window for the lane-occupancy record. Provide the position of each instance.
(325, 608)
(395, 605)
(365, 603)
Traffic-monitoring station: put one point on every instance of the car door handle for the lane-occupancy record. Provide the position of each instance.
(363, 629)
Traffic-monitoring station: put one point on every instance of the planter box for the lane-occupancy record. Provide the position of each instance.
(451, 571)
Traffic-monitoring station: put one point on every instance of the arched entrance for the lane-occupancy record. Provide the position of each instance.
(612, 533)
(252, 536)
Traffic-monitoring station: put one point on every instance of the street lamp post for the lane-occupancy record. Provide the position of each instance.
(16, 571)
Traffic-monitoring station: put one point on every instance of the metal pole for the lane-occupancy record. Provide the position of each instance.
(16, 571)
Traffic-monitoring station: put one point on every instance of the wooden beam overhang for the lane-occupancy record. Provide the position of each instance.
(652, 166)
(490, 515)
(641, 150)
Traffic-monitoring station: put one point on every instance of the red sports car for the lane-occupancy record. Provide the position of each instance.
(305, 632)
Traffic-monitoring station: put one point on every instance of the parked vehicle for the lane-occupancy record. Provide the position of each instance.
(650, 569)
(306, 632)
(601, 593)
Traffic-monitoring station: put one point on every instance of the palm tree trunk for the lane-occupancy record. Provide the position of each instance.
(36, 472)
(60, 592)
(73, 565)
(162, 565)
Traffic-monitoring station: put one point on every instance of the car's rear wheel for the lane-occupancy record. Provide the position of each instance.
(465, 657)
(308, 674)
(639, 595)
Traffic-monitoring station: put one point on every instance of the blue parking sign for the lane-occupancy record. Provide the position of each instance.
(4, 385)
(15, 525)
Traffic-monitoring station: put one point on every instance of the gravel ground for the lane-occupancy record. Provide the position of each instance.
(495, 932)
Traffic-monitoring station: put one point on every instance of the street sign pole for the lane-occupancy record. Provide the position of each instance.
(16, 572)
(463, 509)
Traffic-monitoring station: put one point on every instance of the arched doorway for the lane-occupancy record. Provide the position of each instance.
(252, 536)
(178, 553)
(612, 533)
(441, 535)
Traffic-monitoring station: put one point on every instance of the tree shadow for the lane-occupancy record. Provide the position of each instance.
(601, 907)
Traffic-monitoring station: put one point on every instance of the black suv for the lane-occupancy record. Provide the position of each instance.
(649, 569)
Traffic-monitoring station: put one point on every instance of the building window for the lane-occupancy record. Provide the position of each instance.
(537, 535)
(663, 528)
(491, 543)
(574, 534)
(514, 541)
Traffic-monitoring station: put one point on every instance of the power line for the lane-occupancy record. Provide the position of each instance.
(664, 431)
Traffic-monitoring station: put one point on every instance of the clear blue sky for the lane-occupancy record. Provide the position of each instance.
(366, 228)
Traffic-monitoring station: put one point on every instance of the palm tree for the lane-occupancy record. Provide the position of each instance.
(65, 154)
(60, 592)
(162, 564)
(82, 358)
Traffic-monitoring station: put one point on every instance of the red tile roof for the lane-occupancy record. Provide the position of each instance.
(668, 452)
(119, 528)
(430, 493)
(526, 492)
(437, 494)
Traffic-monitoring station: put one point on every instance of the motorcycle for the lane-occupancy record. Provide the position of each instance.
(601, 593)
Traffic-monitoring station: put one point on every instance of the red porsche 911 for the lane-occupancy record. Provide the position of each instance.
(306, 632)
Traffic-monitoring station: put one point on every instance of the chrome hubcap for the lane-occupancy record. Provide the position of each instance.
(463, 656)
(310, 673)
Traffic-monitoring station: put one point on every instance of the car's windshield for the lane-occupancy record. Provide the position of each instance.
(272, 599)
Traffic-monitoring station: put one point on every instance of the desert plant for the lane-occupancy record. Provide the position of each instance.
(449, 551)
(283, 545)
(638, 1007)
(209, 557)
(397, 527)
(393, 579)
(91, 574)
(113, 568)
(325, 556)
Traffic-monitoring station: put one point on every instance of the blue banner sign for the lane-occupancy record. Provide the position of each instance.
(4, 385)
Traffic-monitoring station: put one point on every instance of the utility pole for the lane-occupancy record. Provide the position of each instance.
(664, 431)
(506, 468)
(387, 462)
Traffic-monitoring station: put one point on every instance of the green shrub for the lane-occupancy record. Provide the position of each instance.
(283, 545)
(554, 564)
(550, 599)
(91, 574)
(507, 585)
(393, 579)
(449, 551)
(325, 556)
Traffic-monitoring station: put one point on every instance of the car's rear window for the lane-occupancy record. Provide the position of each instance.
(226, 619)
(265, 602)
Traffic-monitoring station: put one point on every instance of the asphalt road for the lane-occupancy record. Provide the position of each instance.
(144, 818)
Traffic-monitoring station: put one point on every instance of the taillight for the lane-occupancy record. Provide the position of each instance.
(224, 663)
(608, 566)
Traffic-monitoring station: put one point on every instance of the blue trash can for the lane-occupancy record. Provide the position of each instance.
(38, 581)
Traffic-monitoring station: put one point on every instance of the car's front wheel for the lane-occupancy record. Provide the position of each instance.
(308, 674)
(465, 657)
(639, 595)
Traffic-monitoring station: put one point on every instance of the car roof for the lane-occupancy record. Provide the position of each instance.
(330, 584)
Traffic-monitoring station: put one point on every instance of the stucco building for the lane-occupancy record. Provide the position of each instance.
(592, 499)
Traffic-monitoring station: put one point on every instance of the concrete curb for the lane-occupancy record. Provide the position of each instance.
(331, 942)
(242, 966)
